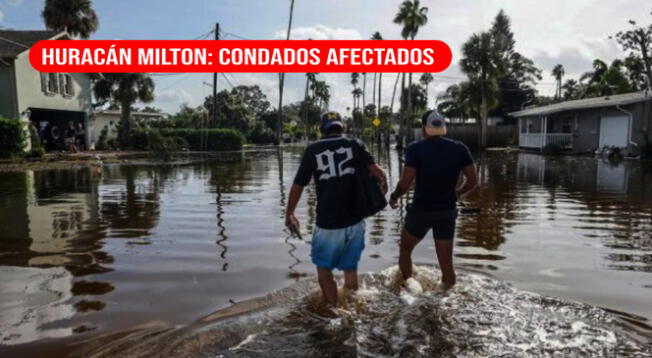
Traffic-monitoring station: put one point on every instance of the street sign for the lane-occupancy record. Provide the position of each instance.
(376, 122)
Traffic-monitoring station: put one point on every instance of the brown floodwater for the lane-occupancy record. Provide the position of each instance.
(86, 253)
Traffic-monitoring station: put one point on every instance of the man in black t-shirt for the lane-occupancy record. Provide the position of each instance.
(436, 163)
(338, 240)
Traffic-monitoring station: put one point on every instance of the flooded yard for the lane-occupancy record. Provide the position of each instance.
(89, 252)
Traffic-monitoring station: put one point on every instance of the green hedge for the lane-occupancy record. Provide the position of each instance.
(12, 137)
(216, 139)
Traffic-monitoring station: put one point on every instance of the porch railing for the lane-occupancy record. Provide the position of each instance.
(539, 140)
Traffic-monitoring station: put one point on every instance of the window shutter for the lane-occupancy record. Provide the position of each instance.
(71, 84)
(44, 83)
(62, 84)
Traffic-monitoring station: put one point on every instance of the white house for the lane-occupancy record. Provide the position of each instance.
(109, 120)
(50, 101)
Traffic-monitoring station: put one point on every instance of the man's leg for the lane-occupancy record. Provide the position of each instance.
(408, 242)
(444, 250)
(351, 280)
(328, 285)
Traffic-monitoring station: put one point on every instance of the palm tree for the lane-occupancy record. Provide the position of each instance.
(354, 82)
(310, 78)
(481, 65)
(281, 77)
(126, 89)
(377, 36)
(322, 93)
(412, 16)
(605, 79)
(76, 17)
(571, 89)
(558, 73)
(364, 89)
(425, 80)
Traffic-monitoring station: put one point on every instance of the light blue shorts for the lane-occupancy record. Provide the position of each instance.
(338, 248)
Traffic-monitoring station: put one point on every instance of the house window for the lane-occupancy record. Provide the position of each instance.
(67, 88)
(57, 83)
(53, 83)
(566, 126)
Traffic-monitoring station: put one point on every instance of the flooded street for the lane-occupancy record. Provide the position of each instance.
(87, 253)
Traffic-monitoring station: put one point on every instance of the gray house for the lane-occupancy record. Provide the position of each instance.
(50, 101)
(585, 125)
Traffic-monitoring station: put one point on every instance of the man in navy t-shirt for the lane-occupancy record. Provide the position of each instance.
(338, 240)
(436, 163)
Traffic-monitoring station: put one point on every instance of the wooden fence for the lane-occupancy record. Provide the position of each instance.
(497, 136)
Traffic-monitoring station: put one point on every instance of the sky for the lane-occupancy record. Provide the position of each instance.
(572, 33)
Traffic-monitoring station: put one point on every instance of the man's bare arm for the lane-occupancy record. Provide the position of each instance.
(407, 177)
(470, 174)
(378, 173)
(293, 199)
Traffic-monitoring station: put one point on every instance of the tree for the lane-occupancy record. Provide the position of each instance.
(377, 36)
(76, 17)
(480, 63)
(572, 90)
(412, 16)
(321, 93)
(516, 74)
(638, 41)
(605, 79)
(354, 82)
(425, 80)
(126, 89)
(635, 72)
(232, 112)
(253, 98)
(460, 101)
(558, 73)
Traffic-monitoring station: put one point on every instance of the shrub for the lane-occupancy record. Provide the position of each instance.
(553, 149)
(101, 141)
(163, 147)
(12, 137)
(216, 139)
(37, 146)
(261, 135)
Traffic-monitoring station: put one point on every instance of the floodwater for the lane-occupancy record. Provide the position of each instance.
(90, 255)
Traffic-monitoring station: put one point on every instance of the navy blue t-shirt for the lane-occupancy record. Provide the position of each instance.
(438, 163)
(332, 162)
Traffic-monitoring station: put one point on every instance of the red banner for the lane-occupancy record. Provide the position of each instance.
(240, 56)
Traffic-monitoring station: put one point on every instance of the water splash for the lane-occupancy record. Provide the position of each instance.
(478, 317)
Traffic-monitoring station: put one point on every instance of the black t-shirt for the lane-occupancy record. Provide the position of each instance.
(332, 162)
(438, 163)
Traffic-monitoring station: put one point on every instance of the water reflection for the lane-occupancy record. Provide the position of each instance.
(104, 251)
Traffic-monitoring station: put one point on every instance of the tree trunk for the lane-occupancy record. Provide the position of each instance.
(364, 90)
(402, 132)
(409, 118)
(305, 109)
(125, 124)
(483, 120)
(374, 90)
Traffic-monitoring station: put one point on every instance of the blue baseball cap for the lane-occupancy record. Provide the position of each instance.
(330, 119)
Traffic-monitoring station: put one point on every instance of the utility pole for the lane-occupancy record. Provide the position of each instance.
(281, 77)
(217, 37)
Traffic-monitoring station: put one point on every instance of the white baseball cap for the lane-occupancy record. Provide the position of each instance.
(434, 123)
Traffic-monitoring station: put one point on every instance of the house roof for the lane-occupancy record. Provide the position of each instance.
(13, 43)
(586, 103)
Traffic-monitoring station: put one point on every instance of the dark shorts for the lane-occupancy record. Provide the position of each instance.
(442, 223)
